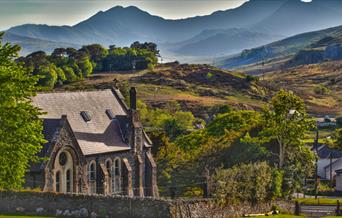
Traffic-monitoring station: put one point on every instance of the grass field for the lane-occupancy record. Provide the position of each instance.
(319, 200)
(16, 216)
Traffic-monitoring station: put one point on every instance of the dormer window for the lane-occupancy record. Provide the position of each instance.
(110, 114)
(86, 116)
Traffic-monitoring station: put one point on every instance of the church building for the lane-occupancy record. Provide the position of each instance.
(95, 145)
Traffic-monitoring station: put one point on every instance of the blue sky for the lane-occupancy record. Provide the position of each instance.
(70, 12)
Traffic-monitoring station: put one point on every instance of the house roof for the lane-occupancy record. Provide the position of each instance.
(101, 134)
(50, 128)
(324, 152)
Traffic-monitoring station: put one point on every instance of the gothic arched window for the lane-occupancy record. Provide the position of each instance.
(92, 177)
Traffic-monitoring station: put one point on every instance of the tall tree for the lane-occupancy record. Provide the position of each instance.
(20, 128)
(285, 122)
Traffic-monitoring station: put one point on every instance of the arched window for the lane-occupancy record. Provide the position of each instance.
(116, 186)
(58, 181)
(92, 177)
(68, 181)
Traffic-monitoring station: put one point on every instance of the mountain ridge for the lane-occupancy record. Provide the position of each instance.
(123, 25)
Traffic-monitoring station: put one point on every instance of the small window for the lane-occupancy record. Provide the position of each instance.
(109, 167)
(58, 181)
(86, 116)
(92, 172)
(110, 114)
(68, 181)
(117, 167)
(62, 158)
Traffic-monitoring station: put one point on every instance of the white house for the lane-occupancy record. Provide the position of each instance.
(329, 160)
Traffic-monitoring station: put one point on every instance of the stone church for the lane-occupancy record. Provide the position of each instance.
(96, 145)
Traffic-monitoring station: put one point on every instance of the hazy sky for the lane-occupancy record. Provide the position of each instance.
(69, 12)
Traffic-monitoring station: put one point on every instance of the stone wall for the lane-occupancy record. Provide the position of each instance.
(52, 204)
(208, 208)
(81, 205)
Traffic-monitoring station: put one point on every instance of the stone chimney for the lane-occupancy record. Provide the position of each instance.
(133, 98)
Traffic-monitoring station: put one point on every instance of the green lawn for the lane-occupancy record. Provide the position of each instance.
(319, 200)
(16, 216)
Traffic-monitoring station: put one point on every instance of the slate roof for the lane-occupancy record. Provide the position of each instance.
(100, 135)
(50, 128)
(324, 152)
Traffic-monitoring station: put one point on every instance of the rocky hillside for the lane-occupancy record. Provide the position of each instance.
(194, 86)
(320, 85)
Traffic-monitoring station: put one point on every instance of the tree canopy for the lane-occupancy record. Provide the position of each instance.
(20, 128)
(66, 65)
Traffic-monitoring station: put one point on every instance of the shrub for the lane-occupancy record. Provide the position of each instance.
(246, 183)
(251, 78)
(339, 121)
(321, 90)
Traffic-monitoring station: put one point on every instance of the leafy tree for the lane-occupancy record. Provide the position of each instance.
(97, 53)
(69, 74)
(20, 128)
(286, 122)
(86, 67)
(48, 76)
(246, 183)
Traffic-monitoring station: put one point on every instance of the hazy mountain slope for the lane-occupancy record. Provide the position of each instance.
(295, 17)
(282, 49)
(30, 45)
(221, 42)
(121, 26)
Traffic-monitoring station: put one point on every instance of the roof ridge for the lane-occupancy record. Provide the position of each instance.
(75, 91)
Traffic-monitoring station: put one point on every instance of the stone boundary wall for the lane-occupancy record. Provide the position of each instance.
(64, 205)
(208, 208)
(70, 205)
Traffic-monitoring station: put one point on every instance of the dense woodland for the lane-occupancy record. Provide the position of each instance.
(66, 65)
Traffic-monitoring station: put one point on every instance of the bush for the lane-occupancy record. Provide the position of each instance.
(251, 78)
(321, 90)
(339, 121)
(246, 183)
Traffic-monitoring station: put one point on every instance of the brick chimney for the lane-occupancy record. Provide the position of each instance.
(133, 98)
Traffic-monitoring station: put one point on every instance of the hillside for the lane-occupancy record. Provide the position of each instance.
(216, 43)
(121, 26)
(292, 51)
(320, 85)
(194, 86)
(30, 45)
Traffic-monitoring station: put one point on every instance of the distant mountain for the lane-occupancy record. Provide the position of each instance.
(220, 42)
(306, 48)
(260, 21)
(295, 17)
(30, 45)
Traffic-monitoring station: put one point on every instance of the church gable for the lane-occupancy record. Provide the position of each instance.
(96, 145)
